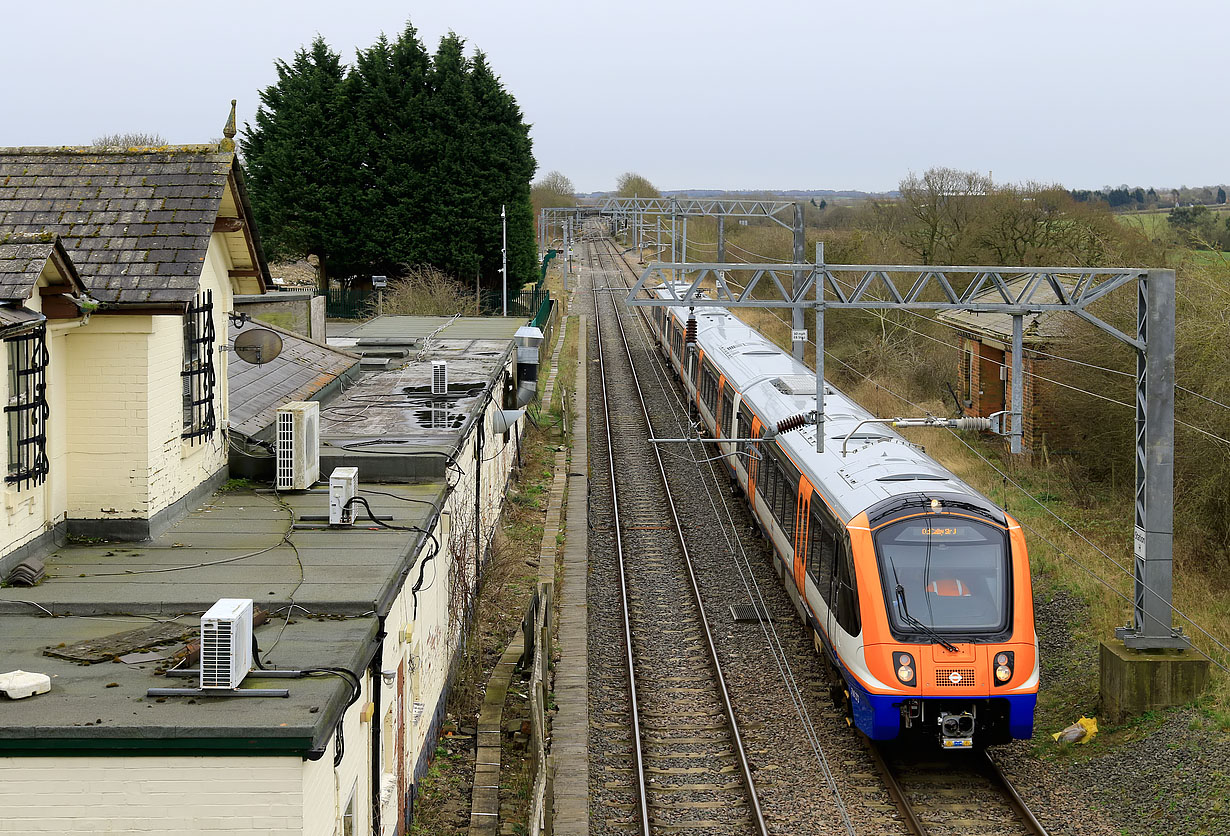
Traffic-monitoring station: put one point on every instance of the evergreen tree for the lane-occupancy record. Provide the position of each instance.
(504, 165)
(300, 164)
(388, 89)
(403, 161)
(1221, 195)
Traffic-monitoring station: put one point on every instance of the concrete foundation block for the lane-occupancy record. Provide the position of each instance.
(1136, 681)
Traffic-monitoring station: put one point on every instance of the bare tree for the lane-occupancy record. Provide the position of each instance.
(133, 139)
(425, 291)
(942, 202)
(552, 191)
(631, 184)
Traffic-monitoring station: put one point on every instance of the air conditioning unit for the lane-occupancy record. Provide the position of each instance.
(298, 445)
(439, 377)
(226, 643)
(343, 485)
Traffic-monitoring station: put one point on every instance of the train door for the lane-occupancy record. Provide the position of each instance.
(990, 380)
(823, 560)
(802, 516)
(719, 412)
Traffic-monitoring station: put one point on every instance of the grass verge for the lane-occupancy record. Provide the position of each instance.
(443, 808)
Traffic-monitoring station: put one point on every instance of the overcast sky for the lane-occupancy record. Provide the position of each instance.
(734, 94)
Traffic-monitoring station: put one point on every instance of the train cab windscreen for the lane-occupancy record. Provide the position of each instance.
(944, 574)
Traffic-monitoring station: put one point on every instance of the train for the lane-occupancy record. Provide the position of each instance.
(916, 587)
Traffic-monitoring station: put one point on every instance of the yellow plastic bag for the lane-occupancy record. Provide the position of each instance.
(1082, 731)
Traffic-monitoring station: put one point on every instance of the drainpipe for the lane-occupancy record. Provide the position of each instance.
(478, 494)
(373, 671)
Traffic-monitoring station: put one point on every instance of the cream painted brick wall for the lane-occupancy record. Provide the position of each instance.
(127, 457)
(176, 467)
(107, 459)
(148, 795)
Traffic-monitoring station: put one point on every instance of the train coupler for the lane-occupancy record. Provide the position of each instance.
(956, 730)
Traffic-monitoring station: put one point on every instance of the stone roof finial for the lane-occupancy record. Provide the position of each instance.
(228, 143)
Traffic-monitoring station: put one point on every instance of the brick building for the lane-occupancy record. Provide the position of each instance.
(121, 265)
(984, 364)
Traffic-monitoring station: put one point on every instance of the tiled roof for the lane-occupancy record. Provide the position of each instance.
(1039, 327)
(135, 221)
(22, 259)
(302, 369)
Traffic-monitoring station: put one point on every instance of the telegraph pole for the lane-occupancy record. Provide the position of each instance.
(504, 255)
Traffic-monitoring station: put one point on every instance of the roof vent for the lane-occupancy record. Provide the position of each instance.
(439, 377)
(796, 384)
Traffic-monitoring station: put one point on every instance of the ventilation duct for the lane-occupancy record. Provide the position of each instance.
(503, 420)
(439, 377)
(529, 341)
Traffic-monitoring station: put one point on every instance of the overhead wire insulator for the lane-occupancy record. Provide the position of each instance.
(794, 422)
(970, 423)
(689, 333)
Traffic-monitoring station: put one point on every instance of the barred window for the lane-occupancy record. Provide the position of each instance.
(27, 409)
(198, 370)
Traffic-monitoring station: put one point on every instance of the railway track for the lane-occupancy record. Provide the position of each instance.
(690, 770)
(931, 794)
(950, 793)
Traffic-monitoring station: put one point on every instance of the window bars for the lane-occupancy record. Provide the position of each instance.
(27, 409)
(198, 371)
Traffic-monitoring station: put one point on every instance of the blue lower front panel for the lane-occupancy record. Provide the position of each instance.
(879, 715)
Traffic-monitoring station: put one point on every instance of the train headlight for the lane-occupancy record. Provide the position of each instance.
(905, 668)
(1005, 660)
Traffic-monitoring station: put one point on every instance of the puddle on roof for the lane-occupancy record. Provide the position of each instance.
(442, 412)
(440, 418)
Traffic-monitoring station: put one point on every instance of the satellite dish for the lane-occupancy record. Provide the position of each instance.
(260, 345)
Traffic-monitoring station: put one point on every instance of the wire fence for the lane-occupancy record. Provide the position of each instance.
(358, 303)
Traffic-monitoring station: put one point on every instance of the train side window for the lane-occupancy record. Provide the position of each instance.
(846, 608)
(770, 475)
(708, 389)
(744, 430)
(790, 504)
(813, 549)
(824, 551)
(728, 409)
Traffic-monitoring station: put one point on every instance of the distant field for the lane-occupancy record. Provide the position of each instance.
(1154, 223)
(1208, 257)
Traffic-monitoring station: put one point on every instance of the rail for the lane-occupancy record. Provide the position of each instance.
(736, 737)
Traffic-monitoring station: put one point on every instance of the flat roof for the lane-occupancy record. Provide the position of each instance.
(237, 545)
(241, 545)
(392, 415)
(248, 543)
(418, 327)
(104, 708)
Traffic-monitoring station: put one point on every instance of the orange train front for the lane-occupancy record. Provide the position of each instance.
(916, 586)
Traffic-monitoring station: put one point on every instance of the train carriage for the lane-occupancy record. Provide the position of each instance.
(916, 587)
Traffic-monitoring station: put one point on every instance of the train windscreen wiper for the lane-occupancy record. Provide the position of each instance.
(918, 625)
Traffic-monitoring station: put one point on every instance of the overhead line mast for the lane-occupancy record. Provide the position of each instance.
(1018, 292)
